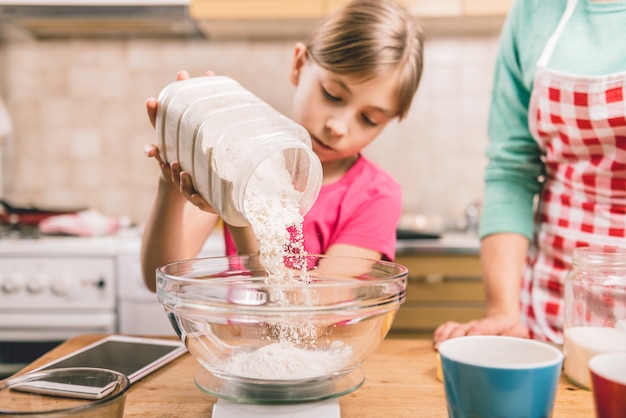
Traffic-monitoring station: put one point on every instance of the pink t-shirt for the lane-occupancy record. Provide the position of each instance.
(361, 209)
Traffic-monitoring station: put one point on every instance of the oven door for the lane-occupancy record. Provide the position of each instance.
(24, 337)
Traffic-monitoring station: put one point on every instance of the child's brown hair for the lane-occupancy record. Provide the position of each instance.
(371, 38)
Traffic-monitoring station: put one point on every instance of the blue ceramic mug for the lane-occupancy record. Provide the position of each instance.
(496, 376)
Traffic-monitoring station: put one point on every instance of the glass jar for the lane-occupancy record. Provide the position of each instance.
(227, 139)
(595, 309)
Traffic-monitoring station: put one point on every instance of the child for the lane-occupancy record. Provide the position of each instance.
(358, 71)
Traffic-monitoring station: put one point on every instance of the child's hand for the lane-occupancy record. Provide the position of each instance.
(172, 172)
(152, 151)
(151, 108)
(152, 103)
(185, 185)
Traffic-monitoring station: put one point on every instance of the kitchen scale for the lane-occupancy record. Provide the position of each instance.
(327, 409)
(250, 398)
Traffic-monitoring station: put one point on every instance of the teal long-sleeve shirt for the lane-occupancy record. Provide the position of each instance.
(592, 43)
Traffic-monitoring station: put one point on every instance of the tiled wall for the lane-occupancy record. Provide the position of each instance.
(80, 123)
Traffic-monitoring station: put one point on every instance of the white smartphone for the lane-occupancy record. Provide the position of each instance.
(85, 388)
(133, 356)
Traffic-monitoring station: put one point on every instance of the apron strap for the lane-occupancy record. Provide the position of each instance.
(547, 50)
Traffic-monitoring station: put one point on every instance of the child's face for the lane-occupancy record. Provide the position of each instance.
(342, 116)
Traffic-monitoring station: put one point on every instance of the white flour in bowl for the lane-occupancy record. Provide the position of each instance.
(284, 361)
(271, 205)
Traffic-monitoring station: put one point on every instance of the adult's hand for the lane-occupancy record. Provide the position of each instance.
(493, 325)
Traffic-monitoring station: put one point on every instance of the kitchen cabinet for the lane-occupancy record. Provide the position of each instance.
(441, 287)
(440, 8)
(255, 9)
(486, 7)
(267, 19)
(460, 17)
(284, 18)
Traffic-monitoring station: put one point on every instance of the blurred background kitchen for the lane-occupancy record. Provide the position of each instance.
(74, 78)
(75, 90)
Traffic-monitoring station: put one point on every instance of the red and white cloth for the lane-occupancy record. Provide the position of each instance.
(86, 223)
(580, 124)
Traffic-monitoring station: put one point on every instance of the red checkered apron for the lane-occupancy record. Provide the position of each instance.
(580, 124)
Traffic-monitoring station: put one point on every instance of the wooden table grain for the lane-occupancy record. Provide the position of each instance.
(400, 381)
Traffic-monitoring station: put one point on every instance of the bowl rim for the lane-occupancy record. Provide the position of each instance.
(403, 270)
(600, 365)
(226, 283)
(449, 351)
(36, 374)
(239, 276)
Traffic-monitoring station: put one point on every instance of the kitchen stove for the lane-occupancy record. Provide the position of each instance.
(139, 311)
(55, 287)
(52, 288)
(13, 232)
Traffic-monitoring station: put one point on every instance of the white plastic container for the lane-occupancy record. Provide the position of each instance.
(221, 133)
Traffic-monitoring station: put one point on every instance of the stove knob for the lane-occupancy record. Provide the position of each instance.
(61, 286)
(36, 284)
(13, 284)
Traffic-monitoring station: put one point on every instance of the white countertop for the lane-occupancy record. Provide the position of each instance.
(449, 243)
(125, 242)
(60, 246)
(128, 242)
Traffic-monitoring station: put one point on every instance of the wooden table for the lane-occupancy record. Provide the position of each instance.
(400, 381)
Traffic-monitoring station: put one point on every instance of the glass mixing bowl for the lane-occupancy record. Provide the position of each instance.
(266, 339)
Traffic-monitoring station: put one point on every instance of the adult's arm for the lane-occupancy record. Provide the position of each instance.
(513, 180)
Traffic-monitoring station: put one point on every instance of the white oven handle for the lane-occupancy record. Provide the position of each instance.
(41, 327)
